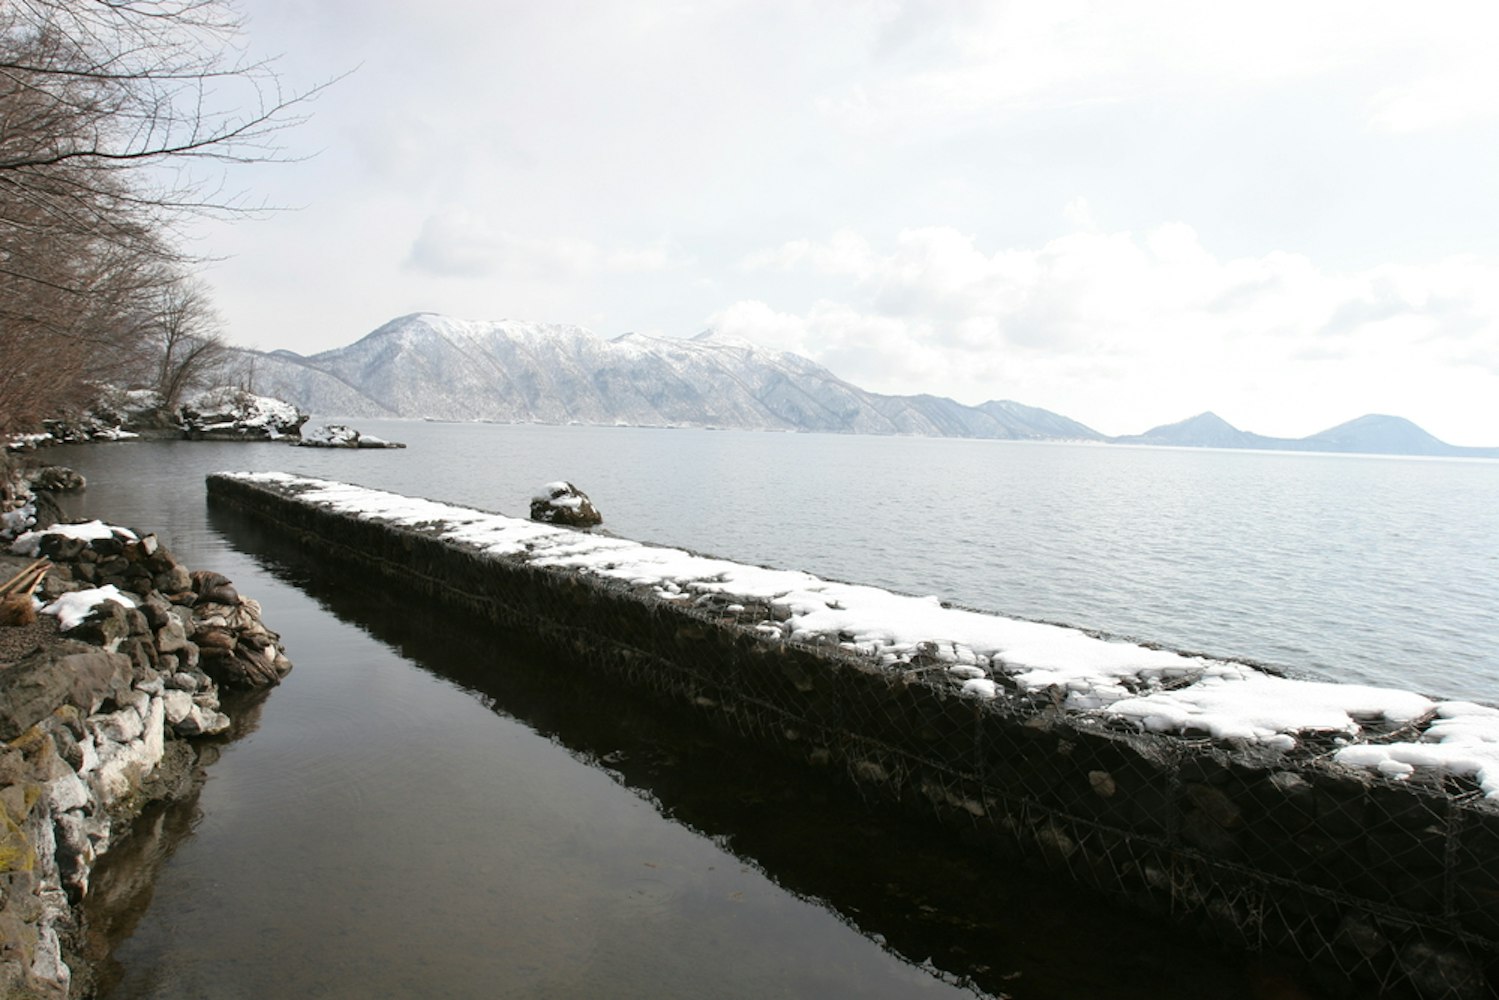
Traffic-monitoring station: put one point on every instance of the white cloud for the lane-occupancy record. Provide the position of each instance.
(1427, 67)
(1079, 215)
(655, 257)
(1130, 330)
(1442, 99)
(461, 244)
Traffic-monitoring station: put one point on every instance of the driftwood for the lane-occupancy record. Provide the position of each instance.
(15, 594)
(26, 581)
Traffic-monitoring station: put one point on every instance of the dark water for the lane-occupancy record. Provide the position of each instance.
(422, 811)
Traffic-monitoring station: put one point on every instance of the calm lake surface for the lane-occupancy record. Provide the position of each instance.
(421, 811)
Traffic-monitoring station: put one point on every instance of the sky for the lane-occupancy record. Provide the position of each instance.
(1129, 213)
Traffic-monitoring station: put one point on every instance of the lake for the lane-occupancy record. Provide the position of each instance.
(422, 812)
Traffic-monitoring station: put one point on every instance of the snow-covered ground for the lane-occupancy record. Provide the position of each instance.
(984, 655)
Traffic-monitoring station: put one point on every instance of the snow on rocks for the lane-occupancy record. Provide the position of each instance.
(228, 413)
(564, 503)
(121, 590)
(26, 442)
(30, 543)
(1462, 739)
(342, 436)
(984, 656)
(73, 609)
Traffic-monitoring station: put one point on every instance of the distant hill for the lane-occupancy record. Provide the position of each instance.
(1378, 432)
(1206, 430)
(1374, 434)
(437, 367)
(432, 366)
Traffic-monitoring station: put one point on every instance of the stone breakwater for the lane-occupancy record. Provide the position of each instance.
(102, 697)
(1354, 828)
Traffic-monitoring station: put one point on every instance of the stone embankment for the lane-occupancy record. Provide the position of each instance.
(1349, 827)
(103, 694)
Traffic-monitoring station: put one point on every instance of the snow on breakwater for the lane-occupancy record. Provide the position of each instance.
(984, 656)
(1189, 785)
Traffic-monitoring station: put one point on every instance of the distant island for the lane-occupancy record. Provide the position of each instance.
(1372, 434)
(436, 367)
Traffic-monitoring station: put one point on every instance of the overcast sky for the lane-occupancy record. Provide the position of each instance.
(1124, 212)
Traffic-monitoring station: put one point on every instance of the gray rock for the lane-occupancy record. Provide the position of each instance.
(70, 673)
(202, 721)
(57, 479)
(61, 548)
(565, 504)
(67, 791)
(171, 637)
(175, 580)
(106, 625)
(136, 622)
(140, 701)
(124, 726)
(124, 766)
(156, 609)
(177, 705)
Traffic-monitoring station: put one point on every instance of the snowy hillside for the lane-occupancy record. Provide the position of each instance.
(426, 365)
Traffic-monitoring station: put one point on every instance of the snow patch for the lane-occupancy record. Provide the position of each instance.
(29, 544)
(72, 609)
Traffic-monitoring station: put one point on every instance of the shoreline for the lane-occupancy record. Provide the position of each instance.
(109, 701)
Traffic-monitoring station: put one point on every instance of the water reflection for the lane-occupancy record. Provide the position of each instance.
(915, 890)
(123, 884)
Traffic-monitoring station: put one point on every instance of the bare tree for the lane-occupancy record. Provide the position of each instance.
(117, 120)
(184, 335)
(70, 308)
(114, 85)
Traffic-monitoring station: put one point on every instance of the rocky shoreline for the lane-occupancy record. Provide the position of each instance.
(107, 697)
(223, 414)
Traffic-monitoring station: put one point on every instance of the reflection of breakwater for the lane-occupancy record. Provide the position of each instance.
(1384, 882)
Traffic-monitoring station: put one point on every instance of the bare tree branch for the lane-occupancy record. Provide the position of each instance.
(96, 96)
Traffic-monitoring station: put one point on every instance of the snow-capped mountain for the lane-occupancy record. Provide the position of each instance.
(426, 365)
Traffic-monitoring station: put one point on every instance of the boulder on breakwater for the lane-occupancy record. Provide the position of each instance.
(563, 503)
(101, 698)
(1356, 828)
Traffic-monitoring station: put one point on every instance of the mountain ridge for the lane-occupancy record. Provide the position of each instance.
(437, 367)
